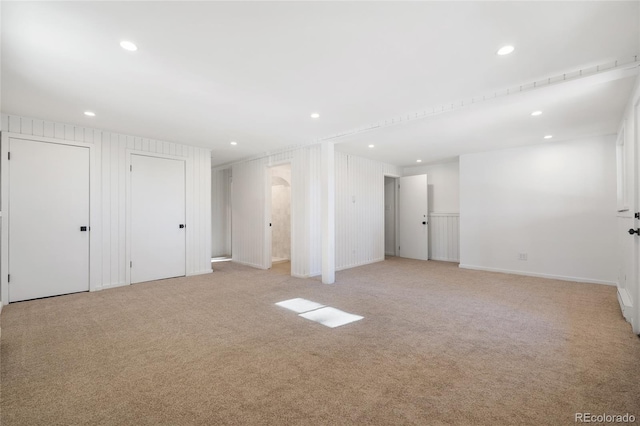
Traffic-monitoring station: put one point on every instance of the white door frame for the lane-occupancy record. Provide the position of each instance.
(395, 205)
(95, 232)
(268, 240)
(635, 204)
(188, 224)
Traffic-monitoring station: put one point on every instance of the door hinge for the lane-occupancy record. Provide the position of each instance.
(8, 156)
(637, 215)
(130, 167)
(130, 264)
(9, 278)
(398, 247)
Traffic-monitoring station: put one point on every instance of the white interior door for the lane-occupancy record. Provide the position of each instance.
(413, 241)
(48, 206)
(158, 228)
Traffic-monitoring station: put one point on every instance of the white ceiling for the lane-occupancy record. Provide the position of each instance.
(207, 73)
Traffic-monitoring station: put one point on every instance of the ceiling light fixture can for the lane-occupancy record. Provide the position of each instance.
(418, 161)
(90, 113)
(315, 115)
(548, 136)
(536, 113)
(127, 45)
(505, 50)
(234, 143)
(371, 146)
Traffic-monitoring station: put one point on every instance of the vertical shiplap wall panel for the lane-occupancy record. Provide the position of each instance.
(205, 207)
(106, 208)
(392, 170)
(49, 129)
(248, 210)
(359, 210)
(315, 209)
(248, 220)
(220, 212)
(15, 124)
(299, 221)
(444, 236)
(69, 132)
(122, 207)
(112, 175)
(344, 209)
(26, 127)
(113, 208)
(58, 131)
(38, 128)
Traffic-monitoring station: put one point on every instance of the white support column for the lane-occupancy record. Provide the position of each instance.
(328, 214)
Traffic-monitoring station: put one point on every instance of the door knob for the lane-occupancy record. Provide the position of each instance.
(634, 231)
(181, 225)
(424, 223)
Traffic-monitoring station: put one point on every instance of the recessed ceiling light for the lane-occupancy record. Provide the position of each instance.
(234, 143)
(127, 45)
(315, 115)
(548, 136)
(90, 113)
(371, 146)
(418, 161)
(505, 50)
(536, 113)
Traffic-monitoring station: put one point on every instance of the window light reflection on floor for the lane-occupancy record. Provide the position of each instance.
(325, 315)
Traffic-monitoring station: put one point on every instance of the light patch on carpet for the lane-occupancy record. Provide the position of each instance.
(299, 305)
(331, 317)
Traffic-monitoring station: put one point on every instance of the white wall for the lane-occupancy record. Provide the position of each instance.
(443, 183)
(554, 201)
(220, 212)
(108, 264)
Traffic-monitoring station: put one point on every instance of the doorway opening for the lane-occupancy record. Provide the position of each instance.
(280, 186)
(390, 223)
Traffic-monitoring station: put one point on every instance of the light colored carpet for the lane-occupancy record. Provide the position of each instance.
(437, 345)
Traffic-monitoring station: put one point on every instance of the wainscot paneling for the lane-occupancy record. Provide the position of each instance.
(444, 236)
(112, 150)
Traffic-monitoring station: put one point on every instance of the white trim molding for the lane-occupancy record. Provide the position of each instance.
(538, 275)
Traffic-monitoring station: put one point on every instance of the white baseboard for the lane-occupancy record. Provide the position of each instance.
(445, 259)
(539, 275)
(113, 285)
(203, 272)
(355, 265)
(253, 265)
(626, 304)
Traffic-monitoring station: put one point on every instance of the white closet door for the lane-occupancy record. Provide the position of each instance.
(158, 234)
(48, 205)
(413, 213)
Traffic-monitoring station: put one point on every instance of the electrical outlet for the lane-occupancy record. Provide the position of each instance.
(522, 256)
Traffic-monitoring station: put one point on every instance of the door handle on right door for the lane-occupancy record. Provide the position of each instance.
(181, 226)
(634, 231)
(424, 223)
